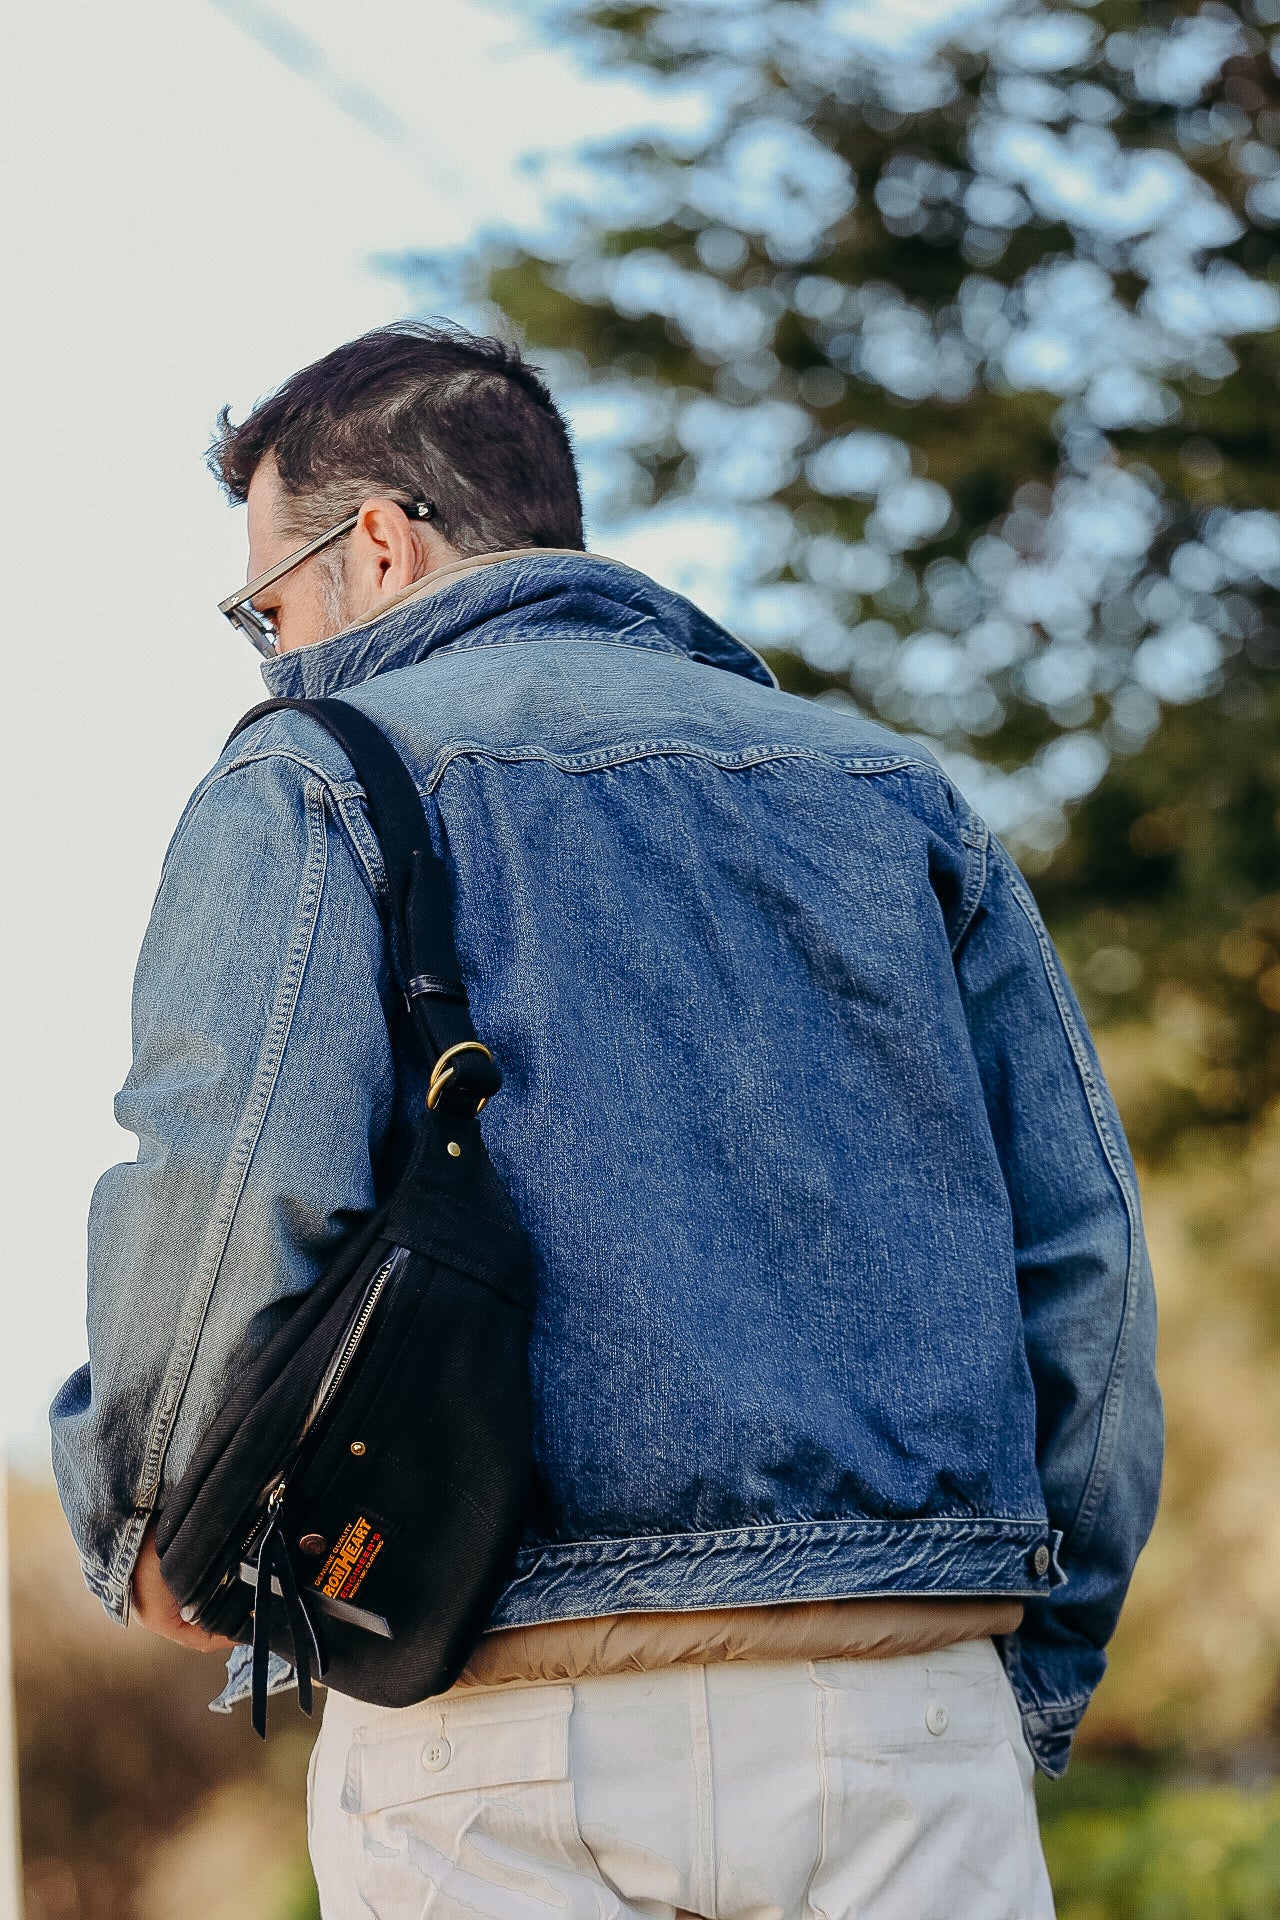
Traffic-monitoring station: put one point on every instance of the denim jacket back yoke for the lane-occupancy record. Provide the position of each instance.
(842, 1281)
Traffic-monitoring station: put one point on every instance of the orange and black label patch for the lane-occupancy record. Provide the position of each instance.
(344, 1572)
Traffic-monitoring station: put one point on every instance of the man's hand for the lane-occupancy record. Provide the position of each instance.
(156, 1608)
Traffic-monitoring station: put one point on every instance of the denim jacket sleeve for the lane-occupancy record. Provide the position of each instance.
(1088, 1306)
(259, 1120)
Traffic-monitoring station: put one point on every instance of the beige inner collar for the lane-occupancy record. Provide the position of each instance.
(455, 570)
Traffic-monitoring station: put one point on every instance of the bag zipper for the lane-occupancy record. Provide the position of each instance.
(324, 1393)
(355, 1334)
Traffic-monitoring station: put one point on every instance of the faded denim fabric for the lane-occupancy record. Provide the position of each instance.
(842, 1282)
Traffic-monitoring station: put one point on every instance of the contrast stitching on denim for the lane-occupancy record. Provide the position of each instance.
(350, 809)
(600, 759)
(353, 814)
(253, 747)
(120, 1597)
(1093, 1491)
(340, 789)
(1047, 1729)
(349, 798)
(1064, 1713)
(570, 637)
(977, 837)
(231, 1185)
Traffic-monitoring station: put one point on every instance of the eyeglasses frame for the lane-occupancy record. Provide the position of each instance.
(238, 607)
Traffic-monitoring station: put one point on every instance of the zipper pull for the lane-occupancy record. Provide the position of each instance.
(262, 1620)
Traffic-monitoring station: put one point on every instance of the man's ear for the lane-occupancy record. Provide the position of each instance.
(396, 550)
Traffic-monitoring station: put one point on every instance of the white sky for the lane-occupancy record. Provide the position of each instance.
(186, 221)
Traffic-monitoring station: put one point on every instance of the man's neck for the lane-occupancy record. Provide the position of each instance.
(443, 576)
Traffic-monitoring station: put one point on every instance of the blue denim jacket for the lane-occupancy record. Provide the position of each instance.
(842, 1282)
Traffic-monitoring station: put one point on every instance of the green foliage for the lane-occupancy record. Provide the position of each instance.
(1122, 1845)
(1166, 901)
(304, 1902)
(1056, 557)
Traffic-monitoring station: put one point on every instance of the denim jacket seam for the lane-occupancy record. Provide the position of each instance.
(248, 758)
(473, 644)
(740, 759)
(1094, 1490)
(97, 1577)
(601, 759)
(1060, 1713)
(340, 789)
(231, 1184)
(470, 644)
(352, 811)
(976, 838)
(349, 802)
(115, 1594)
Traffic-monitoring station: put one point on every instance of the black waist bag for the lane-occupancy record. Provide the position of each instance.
(356, 1504)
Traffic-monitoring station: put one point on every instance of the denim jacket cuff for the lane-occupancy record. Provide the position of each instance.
(109, 1587)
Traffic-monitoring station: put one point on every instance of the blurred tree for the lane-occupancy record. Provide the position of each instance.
(943, 347)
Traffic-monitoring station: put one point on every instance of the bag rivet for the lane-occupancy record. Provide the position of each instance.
(358, 1447)
(313, 1543)
(454, 1149)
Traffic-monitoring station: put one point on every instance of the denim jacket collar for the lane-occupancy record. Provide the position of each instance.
(544, 596)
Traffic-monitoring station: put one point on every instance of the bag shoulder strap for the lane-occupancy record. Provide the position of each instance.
(419, 916)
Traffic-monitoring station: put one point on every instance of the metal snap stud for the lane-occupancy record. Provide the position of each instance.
(358, 1447)
(1040, 1562)
(314, 1544)
(454, 1149)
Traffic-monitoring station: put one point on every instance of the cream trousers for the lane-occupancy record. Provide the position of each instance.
(828, 1790)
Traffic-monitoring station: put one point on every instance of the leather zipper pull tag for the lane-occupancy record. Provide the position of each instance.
(306, 1647)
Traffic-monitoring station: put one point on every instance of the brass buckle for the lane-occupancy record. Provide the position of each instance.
(442, 1073)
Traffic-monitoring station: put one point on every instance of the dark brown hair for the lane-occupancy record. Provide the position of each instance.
(421, 408)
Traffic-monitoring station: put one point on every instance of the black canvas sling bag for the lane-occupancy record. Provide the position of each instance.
(356, 1503)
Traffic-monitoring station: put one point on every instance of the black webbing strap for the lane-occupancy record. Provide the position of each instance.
(420, 916)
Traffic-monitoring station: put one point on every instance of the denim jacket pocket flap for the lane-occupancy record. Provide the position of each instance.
(459, 1748)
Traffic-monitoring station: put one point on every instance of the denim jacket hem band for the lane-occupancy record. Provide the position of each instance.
(763, 1566)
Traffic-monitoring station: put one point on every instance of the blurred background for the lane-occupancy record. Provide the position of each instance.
(933, 346)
